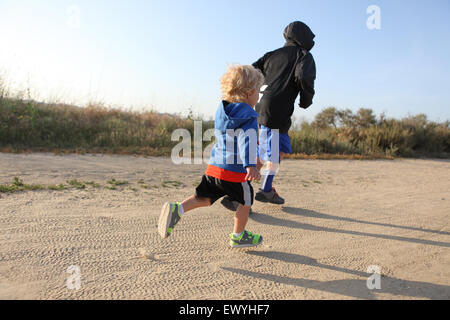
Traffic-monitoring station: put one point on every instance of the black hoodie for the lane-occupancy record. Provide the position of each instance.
(288, 71)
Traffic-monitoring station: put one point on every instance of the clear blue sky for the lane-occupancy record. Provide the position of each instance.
(169, 55)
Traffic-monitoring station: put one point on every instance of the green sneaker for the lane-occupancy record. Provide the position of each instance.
(246, 239)
(169, 218)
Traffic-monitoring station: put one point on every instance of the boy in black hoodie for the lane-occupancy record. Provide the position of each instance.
(288, 71)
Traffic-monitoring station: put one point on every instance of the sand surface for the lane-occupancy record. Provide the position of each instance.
(340, 218)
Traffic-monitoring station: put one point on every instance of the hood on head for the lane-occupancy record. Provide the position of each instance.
(233, 115)
(300, 34)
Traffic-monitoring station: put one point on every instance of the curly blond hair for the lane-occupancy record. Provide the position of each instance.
(238, 81)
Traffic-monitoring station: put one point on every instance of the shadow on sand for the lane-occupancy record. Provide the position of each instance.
(268, 219)
(314, 214)
(354, 288)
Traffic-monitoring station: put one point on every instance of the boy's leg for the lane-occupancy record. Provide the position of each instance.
(194, 202)
(267, 192)
(231, 204)
(206, 194)
(243, 194)
(172, 212)
(269, 175)
(242, 238)
(276, 145)
(241, 218)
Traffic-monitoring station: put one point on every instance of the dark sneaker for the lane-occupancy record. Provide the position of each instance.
(246, 239)
(231, 204)
(271, 196)
(168, 219)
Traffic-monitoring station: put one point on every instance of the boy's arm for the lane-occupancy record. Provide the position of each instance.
(247, 142)
(305, 75)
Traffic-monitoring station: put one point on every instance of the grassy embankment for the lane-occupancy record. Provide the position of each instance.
(29, 126)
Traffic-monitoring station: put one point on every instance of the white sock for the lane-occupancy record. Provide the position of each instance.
(237, 235)
(180, 210)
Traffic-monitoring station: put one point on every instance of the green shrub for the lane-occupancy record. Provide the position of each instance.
(31, 125)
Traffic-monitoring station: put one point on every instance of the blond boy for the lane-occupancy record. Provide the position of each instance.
(232, 164)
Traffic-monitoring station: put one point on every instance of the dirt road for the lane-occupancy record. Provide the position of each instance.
(340, 218)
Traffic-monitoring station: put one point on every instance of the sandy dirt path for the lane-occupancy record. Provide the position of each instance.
(340, 217)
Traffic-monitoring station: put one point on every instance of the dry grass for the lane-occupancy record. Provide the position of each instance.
(30, 126)
(330, 156)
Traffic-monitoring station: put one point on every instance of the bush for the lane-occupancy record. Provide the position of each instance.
(342, 132)
(30, 125)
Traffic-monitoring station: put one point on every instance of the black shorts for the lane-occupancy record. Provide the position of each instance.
(215, 189)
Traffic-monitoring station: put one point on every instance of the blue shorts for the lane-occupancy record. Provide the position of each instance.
(267, 144)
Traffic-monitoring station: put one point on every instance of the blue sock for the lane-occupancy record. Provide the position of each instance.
(266, 185)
